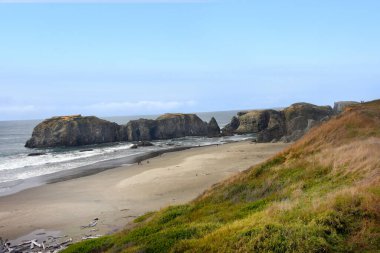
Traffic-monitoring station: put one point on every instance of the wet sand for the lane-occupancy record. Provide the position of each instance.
(119, 195)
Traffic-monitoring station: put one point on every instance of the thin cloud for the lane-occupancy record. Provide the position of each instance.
(18, 109)
(141, 105)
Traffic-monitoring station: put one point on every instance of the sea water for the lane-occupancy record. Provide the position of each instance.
(16, 167)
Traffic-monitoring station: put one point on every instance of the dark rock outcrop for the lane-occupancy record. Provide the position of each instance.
(288, 124)
(260, 120)
(73, 131)
(86, 150)
(171, 126)
(230, 128)
(37, 154)
(77, 130)
(167, 126)
(213, 129)
(297, 115)
(139, 130)
(269, 124)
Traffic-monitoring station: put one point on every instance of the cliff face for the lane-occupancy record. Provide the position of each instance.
(297, 115)
(77, 130)
(140, 130)
(289, 124)
(166, 126)
(179, 125)
(259, 120)
(73, 131)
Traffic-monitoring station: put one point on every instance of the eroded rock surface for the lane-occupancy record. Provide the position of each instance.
(73, 131)
(288, 124)
(77, 130)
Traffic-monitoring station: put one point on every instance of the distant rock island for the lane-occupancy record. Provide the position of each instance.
(77, 130)
(284, 125)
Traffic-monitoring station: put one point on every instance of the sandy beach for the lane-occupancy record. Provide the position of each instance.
(117, 196)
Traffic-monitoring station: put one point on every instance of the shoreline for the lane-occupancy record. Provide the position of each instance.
(86, 170)
(117, 196)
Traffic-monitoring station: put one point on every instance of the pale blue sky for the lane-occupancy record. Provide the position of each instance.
(184, 56)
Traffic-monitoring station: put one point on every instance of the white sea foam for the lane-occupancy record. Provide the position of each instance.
(20, 166)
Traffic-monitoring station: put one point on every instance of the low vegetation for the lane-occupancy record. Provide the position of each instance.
(320, 195)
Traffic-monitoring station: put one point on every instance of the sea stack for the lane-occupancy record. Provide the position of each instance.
(73, 130)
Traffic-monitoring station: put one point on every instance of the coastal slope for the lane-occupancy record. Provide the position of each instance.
(322, 194)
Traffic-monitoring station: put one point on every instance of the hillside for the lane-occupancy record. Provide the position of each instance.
(320, 195)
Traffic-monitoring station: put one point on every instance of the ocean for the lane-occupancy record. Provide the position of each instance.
(18, 171)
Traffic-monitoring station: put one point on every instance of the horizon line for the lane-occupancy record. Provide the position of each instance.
(105, 1)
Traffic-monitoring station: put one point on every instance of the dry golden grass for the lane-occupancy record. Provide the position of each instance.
(171, 115)
(362, 156)
(358, 122)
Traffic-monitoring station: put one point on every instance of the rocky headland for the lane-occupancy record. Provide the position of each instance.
(284, 125)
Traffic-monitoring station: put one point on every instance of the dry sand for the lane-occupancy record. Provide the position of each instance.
(117, 196)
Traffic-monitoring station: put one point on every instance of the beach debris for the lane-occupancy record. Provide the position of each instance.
(56, 237)
(33, 246)
(92, 224)
(5, 246)
(87, 237)
(57, 247)
(34, 243)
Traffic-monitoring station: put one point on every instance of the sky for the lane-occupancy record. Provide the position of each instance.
(131, 57)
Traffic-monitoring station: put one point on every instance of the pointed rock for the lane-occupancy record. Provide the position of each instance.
(213, 129)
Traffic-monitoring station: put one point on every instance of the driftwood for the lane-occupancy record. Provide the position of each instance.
(34, 243)
(92, 224)
(34, 246)
(52, 244)
(87, 237)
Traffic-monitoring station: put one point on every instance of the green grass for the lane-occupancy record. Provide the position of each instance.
(294, 202)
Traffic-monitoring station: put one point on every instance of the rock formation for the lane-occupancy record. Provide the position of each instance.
(271, 125)
(139, 130)
(171, 126)
(77, 130)
(339, 106)
(167, 126)
(231, 127)
(297, 115)
(73, 131)
(213, 129)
